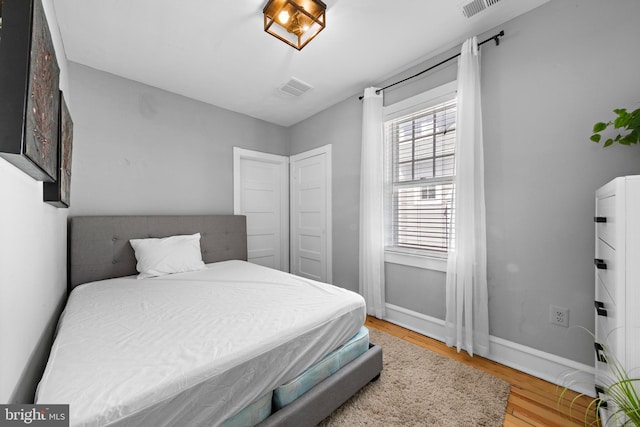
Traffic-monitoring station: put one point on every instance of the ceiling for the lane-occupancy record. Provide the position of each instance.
(216, 51)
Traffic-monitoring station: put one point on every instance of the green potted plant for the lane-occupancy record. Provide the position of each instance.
(621, 398)
(628, 125)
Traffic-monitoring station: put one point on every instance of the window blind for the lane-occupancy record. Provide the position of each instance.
(422, 167)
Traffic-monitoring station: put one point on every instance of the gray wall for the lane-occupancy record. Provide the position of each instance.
(565, 67)
(339, 126)
(141, 150)
(559, 69)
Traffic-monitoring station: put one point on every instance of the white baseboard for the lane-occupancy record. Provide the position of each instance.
(549, 367)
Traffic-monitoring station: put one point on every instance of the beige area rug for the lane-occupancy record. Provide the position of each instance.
(418, 387)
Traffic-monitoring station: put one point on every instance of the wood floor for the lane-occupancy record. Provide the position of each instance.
(532, 402)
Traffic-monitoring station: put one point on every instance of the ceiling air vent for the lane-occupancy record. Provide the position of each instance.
(477, 6)
(295, 87)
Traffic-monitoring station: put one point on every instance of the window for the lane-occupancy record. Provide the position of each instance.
(420, 170)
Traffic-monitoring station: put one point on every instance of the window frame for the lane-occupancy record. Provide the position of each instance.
(421, 258)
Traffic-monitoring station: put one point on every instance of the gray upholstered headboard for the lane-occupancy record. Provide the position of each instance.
(99, 245)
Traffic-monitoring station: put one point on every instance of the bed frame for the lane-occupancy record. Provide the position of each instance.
(99, 249)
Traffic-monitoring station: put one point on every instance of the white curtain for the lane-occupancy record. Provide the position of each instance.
(371, 205)
(467, 316)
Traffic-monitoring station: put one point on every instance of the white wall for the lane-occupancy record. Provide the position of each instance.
(32, 267)
(559, 69)
(32, 278)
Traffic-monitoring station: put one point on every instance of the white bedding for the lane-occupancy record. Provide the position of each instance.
(190, 348)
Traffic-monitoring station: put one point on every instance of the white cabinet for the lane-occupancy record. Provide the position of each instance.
(617, 280)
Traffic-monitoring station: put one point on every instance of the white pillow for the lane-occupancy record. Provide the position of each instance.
(175, 254)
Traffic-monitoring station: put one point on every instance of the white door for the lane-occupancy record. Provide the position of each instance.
(311, 214)
(261, 192)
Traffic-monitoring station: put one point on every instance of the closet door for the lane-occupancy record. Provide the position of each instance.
(261, 192)
(311, 214)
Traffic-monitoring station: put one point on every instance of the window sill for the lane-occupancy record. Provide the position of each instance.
(413, 259)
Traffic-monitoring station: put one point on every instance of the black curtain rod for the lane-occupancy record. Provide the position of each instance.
(495, 38)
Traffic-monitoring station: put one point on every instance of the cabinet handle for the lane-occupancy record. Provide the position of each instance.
(600, 352)
(600, 264)
(600, 308)
(599, 390)
(600, 219)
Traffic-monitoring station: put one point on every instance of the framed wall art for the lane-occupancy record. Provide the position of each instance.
(58, 193)
(29, 90)
(1, 19)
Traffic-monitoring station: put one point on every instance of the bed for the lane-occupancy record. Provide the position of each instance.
(228, 343)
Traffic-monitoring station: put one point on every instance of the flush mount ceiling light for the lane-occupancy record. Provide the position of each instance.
(295, 22)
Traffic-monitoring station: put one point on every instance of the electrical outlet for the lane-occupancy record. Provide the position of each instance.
(559, 316)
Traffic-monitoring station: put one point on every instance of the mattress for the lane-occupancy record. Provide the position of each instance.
(329, 365)
(191, 348)
(292, 390)
(253, 414)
